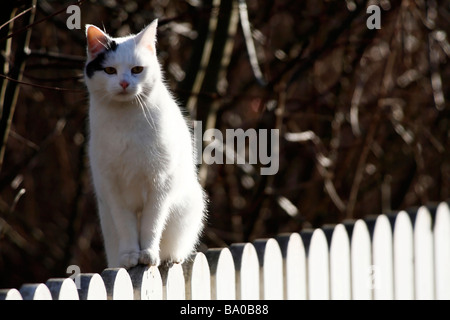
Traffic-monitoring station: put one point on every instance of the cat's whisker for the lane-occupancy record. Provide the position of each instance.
(146, 94)
(104, 96)
(102, 43)
(101, 95)
(142, 106)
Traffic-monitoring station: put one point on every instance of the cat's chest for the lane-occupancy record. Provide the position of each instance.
(127, 142)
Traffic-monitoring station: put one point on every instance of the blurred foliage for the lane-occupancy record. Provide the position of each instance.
(363, 117)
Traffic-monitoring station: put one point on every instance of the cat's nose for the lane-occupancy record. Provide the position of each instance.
(124, 84)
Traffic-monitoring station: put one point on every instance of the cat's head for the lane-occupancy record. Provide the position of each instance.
(121, 69)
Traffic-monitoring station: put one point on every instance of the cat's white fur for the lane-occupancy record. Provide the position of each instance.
(150, 203)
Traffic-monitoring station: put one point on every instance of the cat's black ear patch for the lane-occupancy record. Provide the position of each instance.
(112, 45)
(97, 63)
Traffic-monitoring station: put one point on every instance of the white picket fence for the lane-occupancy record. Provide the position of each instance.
(399, 256)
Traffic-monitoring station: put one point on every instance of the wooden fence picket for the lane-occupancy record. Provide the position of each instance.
(118, 284)
(423, 254)
(360, 260)
(442, 251)
(62, 289)
(35, 291)
(339, 250)
(294, 266)
(197, 278)
(172, 282)
(247, 271)
(147, 283)
(318, 270)
(382, 268)
(270, 269)
(403, 250)
(10, 294)
(91, 286)
(223, 279)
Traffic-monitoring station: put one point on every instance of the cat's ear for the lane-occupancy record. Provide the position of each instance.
(97, 41)
(147, 37)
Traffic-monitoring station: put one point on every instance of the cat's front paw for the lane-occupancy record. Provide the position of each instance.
(129, 259)
(170, 262)
(149, 257)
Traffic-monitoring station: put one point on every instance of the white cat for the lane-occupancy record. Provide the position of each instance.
(151, 205)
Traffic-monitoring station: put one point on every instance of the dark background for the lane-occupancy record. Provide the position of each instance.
(372, 106)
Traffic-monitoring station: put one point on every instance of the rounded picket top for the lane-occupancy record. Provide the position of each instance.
(91, 286)
(35, 291)
(294, 266)
(197, 277)
(172, 282)
(247, 271)
(382, 270)
(147, 282)
(62, 289)
(423, 253)
(340, 275)
(223, 278)
(118, 284)
(403, 250)
(442, 251)
(270, 269)
(317, 257)
(10, 294)
(360, 259)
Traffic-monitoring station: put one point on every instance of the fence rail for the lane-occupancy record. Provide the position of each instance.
(390, 256)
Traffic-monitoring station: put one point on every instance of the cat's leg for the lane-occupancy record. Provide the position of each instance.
(120, 232)
(109, 232)
(153, 219)
(127, 232)
(182, 230)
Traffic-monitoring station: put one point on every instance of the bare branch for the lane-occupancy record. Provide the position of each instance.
(17, 16)
(40, 86)
(243, 12)
(78, 3)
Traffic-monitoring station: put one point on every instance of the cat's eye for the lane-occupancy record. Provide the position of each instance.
(137, 69)
(110, 70)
